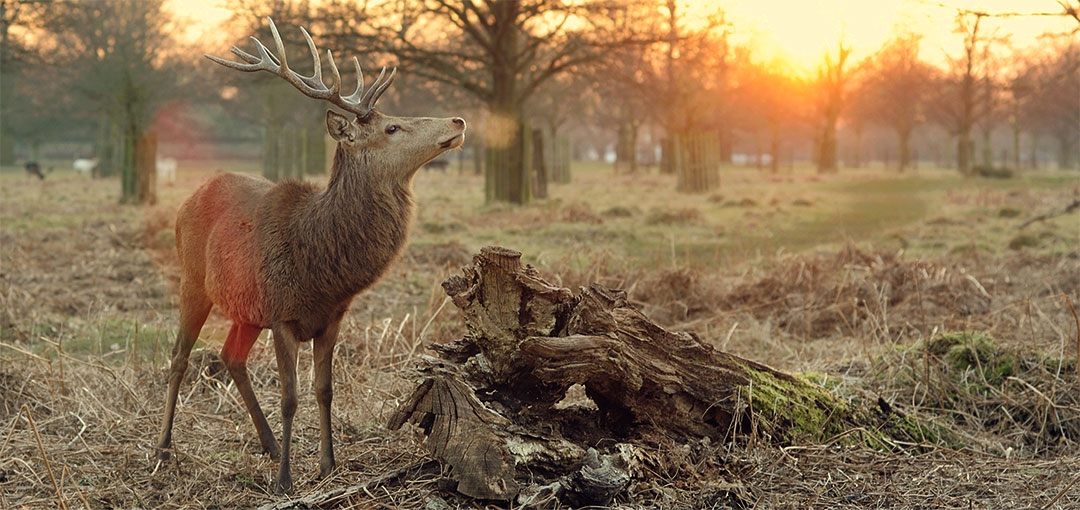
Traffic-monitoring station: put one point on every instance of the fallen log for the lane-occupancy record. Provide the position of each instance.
(491, 404)
(1042, 217)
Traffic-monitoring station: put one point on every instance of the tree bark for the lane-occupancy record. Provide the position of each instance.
(774, 149)
(858, 145)
(1066, 151)
(1016, 145)
(489, 408)
(146, 168)
(539, 164)
(905, 149)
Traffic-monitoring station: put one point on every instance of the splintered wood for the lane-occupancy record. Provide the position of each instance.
(488, 403)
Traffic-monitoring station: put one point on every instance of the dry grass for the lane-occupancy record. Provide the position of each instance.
(87, 315)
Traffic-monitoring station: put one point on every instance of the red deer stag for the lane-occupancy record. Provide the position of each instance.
(291, 256)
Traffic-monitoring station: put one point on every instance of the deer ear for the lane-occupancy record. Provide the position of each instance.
(339, 126)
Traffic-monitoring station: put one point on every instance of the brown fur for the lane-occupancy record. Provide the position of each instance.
(291, 257)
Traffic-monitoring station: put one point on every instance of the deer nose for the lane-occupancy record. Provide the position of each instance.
(460, 122)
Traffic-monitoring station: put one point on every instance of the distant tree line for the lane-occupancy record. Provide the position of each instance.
(623, 75)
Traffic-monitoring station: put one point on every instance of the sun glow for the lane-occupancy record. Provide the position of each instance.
(800, 32)
(794, 31)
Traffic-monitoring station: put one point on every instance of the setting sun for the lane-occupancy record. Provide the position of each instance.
(801, 32)
(795, 31)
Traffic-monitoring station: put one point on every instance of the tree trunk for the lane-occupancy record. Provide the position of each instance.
(963, 153)
(726, 143)
(507, 170)
(478, 151)
(1016, 146)
(625, 142)
(758, 158)
(774, 148)
(905, 150)
(539, 163)
(827, 150)
(697, 161)
(858, 145)
(488, 407)
(146, 168)
(128, 181)
(1034, 151)
(7, 87)
(1066, 151)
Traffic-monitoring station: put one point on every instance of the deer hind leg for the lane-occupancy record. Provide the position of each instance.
(323, 353)
(286, 344)
(194, 307)
(235, 354)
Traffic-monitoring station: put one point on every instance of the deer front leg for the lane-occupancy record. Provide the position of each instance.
(323, 352)
(286, 344)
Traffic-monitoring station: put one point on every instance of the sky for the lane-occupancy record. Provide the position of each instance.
(795, 31)
(800, 31)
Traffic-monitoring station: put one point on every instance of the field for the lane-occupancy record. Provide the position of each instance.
(915, 289)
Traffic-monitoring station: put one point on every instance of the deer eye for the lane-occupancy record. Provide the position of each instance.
(391, 129)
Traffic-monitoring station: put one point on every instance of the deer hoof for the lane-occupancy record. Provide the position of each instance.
(283, 486)
(326, 469)
(163, 454)
(273, 450)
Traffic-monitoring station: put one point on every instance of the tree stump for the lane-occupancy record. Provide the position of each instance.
(489, 404)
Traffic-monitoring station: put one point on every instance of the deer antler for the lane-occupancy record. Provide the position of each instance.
(360, 102)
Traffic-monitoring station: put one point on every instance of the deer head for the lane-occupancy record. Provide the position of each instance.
(395, 147)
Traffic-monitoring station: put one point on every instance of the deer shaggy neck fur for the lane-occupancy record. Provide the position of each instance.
(315, 249)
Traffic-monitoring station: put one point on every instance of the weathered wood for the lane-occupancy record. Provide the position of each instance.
(465, 434)
(488, 407)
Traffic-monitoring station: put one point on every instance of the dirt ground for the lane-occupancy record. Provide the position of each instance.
(87, 316)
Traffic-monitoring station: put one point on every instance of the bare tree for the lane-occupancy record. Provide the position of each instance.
(831, 84)
(30, 118)
(1056, 106)
(962, 111)
(501, 52)
(899, 82)
(861, 109)
(771, 102)
(118, 58)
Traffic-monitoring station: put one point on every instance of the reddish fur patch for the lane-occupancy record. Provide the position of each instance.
(238, 345)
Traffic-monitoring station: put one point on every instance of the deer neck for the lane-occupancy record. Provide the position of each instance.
(363, 220)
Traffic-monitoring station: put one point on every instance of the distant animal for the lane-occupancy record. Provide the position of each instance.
(166, 170)
(291, 256)
(33, 169)
(84, 166)
(439, 164)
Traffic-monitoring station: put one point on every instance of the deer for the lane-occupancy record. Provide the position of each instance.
(166, 170)
(84, 165)
(291, 256)
(33, 169)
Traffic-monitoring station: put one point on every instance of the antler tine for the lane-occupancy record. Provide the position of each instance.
(355, 96)
(247, 57)
(315, 80)
(377, 89)
(374, 86)
(277, 43)
(360, 102)
(234, 65)
(334, 70)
